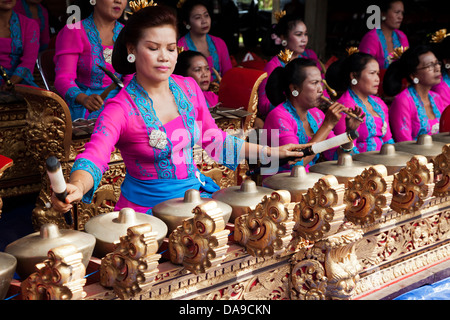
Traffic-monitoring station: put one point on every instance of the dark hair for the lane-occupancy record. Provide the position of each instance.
(442, 49)
(338, 73)
(402, 69)
(152, 16)
(282, 28)
(184, 61)
(188, 5)
(385, 5)
(277, 87)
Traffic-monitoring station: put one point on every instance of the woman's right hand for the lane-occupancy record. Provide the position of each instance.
(74, 194)
(334, 113)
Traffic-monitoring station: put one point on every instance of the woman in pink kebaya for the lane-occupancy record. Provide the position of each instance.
(380, 43)
(19, 45)
(79, 51)
(416, 110)
(358, 77)
(197, 20)
(155, 121)
(290, 33)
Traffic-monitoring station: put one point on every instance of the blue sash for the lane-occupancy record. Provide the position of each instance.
(148, 193)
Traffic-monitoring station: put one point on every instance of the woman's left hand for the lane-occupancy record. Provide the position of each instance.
(352, 123)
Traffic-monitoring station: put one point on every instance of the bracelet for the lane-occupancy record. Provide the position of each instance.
(346, 150)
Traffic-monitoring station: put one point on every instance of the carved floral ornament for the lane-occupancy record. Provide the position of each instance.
(267, 230)
(133, 264)
(60, 277)
(442, 172)
(201, 242)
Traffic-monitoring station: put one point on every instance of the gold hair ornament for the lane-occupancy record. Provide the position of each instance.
(180, 49)
(180, 3)
(351, 50)
(398, 52)
(285, 55)
(140, 4)
(279, 14)
(439, 36)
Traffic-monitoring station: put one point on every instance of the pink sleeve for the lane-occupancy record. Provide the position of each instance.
(263, 101)
(68, 48)
(30, 42)
(403, 39)
(400, 119)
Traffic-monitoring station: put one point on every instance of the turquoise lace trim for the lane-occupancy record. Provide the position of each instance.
(395, 40)
(423, 119)
(211, 48)
(370, 121)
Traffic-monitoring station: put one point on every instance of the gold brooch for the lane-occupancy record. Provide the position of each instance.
(439, 36)
(351, 50)
(285, 55)
(141, 4)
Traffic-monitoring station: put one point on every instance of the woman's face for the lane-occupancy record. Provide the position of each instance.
(394, 15)
(110, 9)
(429, 70)
(369, 79)
(6, 5)
(199, 20)
(199, 70)
(297, 38)
(311, 89)
(156, 53)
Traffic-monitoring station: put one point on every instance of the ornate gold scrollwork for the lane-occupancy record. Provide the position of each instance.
(442, 172)
(320, 211)
(412, 185)
(60, 277)
(267, 230)
(328, 270)
(132, 266)
(368, 196)
(201, 242)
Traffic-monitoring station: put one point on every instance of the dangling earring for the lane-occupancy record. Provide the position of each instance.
(284, 43)
(354, 82)
(416, 80)
(294, 93)
(93, 2)
(447, 66)
(188, 27)
(131, 58)
(383, 18)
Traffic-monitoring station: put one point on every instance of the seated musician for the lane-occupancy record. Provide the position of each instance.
(155, 121)
(380, 43)
(79, 50)
(416, 110)
(358, 76)
(296, 90)
(19, 45)
(196, 17)
(290, 33)
(194, 64)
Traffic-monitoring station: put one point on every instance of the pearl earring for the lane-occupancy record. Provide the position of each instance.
(93, 2)
(354, 82)
(447, 66)
(416, 80)
(284, 43)
(188, 27)
(294, 93)
(131, 58)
